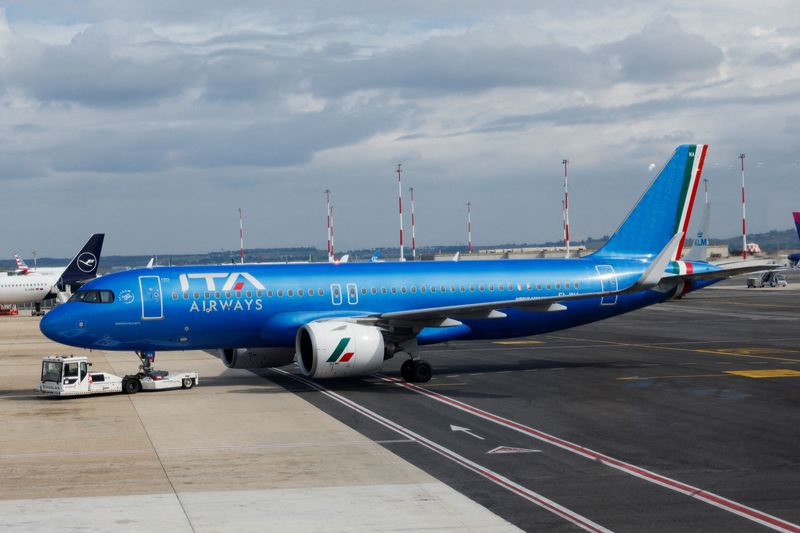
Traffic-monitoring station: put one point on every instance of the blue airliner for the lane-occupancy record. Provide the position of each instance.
(338, 320)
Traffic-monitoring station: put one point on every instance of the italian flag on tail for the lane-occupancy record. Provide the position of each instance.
(691, 179)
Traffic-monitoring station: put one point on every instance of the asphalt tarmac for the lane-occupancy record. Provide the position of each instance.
(681, 417)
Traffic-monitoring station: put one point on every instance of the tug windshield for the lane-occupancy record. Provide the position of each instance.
(51, 371)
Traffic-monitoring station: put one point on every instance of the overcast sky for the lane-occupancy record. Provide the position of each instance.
(154, 121)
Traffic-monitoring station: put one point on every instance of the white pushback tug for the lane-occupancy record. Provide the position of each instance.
(70, 376)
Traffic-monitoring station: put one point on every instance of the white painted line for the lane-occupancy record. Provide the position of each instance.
(642, 473)
(498, 479)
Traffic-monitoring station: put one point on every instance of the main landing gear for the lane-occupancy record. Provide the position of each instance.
(416, 371)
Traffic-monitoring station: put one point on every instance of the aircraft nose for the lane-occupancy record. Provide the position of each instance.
(58, 325)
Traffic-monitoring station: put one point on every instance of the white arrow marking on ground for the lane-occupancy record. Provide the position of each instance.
(508, 449)
(465, 430)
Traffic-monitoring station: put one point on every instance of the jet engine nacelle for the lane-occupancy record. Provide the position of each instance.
(256, 357)
(333, 349)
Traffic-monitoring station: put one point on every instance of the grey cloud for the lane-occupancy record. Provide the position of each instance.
(592, 114)
(284, 142)
(237, 74)
(266, 142)
(101, 67)
(112, 151)
(662, 51)
(460, 64)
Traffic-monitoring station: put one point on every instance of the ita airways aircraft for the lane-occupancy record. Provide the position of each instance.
(35, 287)
(339, 320)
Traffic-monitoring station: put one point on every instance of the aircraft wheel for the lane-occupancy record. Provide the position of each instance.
(421, 372)
(131, 386)
(406, 368)
(187, 383)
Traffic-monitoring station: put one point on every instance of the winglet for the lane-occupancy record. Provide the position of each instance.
(652, 276)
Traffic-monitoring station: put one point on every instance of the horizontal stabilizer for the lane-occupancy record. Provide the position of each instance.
(728, 270)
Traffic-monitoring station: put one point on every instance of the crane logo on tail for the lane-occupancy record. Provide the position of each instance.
(86, 262)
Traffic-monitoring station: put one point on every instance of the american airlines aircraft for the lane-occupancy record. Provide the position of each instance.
(23, 269)
(338, 320)
(35, 287)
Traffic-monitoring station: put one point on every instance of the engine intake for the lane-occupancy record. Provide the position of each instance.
(334, 349)
(256, 357)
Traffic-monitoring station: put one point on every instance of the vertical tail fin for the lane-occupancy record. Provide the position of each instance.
(21, 266)
(84, 265)
(796, 216)
(663, 210)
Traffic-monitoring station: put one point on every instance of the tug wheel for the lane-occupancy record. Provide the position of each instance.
(131, 386)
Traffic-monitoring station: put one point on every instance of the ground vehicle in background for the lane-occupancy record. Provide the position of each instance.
(70, 376)
(767, 279)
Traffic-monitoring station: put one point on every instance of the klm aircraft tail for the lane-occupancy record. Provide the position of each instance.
(663, 210)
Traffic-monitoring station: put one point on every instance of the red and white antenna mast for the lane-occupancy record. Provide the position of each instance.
(328, 215)
(241, 237)
(400, 204)
(469, 227)
(413, 231)
(333, 252)
(565, 162)
(744, 215)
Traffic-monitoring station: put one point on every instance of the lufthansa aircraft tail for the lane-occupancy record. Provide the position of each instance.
(663, 210)
(84, 265)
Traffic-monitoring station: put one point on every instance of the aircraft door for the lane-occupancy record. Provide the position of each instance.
(608, 283)
(152, 303)
(336, 294)
(352, 294)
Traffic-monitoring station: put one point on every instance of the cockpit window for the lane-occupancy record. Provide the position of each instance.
(93, 297)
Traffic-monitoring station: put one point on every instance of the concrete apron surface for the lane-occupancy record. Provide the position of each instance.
(237, 453)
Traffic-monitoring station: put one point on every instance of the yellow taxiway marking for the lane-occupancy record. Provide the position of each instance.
(519, 342)
(633, 378)
(774, 373)
(753, 351)
(721, 351)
